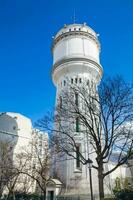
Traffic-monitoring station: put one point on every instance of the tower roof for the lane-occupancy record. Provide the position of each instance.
(76, 27)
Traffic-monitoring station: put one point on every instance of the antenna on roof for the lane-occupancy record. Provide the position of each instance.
(74, 17)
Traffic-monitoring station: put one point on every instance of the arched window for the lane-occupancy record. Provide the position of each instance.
(76, 99)
(60, 102)
(72, 80)
(78, 157)
(77, 124)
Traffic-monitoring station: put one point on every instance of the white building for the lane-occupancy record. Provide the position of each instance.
(123, 172)
(16, 131)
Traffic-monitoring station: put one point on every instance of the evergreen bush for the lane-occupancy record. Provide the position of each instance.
(25, 196)
(124, 194)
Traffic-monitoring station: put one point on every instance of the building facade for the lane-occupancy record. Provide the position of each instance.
(18, 138)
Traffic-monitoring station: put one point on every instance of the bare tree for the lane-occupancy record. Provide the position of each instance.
(7, 171)
(11, 164)
(103, 115)
(37, 168)
(18, 181)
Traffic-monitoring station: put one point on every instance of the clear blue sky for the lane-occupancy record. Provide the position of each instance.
(26, 29)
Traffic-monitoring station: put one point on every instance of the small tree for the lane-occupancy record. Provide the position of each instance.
(7, 169)
(37, 167)
(104, 116)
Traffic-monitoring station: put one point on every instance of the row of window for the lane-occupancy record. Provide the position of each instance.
(76, 80)
(76, 29)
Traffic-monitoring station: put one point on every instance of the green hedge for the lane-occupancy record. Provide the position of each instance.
(24, 196)
(124, 194)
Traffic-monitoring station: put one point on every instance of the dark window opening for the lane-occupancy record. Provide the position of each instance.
(76, 80)
(64, 83)
(80, 81)
(75, 29)
(72, 80)
(79, 29)
(69, 29)
(51, 195)
(76, 99)
(78, 157)
(60, 102)
(11, 148)
(77, 124)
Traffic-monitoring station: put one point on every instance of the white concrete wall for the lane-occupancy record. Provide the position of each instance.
(76, 46)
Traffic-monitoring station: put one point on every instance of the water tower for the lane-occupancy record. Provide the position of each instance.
(76, 61)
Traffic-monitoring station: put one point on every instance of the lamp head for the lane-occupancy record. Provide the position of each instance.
(90, 163)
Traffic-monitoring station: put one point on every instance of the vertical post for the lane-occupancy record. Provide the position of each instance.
(91, 190)
(90, 176)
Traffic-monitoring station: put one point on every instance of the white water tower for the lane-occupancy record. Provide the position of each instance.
(76, 51)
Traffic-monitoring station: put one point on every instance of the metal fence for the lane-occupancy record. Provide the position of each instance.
(80, 197)
(69, 198)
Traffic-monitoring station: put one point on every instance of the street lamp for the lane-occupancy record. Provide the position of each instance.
(90, 176)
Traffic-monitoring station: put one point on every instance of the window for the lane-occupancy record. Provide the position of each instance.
(80, 81)
(77, 124)
(74, 29)
(14, 128)
(79, 29)
(76, 99)
(76, 80)
(11, 148)
(64, 82)
(72, 80)
(60, 102)
(78, 156)
(69, 29)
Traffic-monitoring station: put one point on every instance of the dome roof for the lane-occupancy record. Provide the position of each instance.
(76, 27)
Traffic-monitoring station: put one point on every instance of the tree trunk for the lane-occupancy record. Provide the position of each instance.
(10, 195)
(44, 195)
(100, 181)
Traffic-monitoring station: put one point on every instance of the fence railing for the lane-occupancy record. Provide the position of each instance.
(69, 198)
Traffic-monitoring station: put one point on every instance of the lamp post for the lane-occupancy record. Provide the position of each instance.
(90, 176)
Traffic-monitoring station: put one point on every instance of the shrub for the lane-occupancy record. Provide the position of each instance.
(25, 196)
(124, 194)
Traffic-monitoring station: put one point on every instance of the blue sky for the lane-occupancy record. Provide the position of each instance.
(26, 30)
